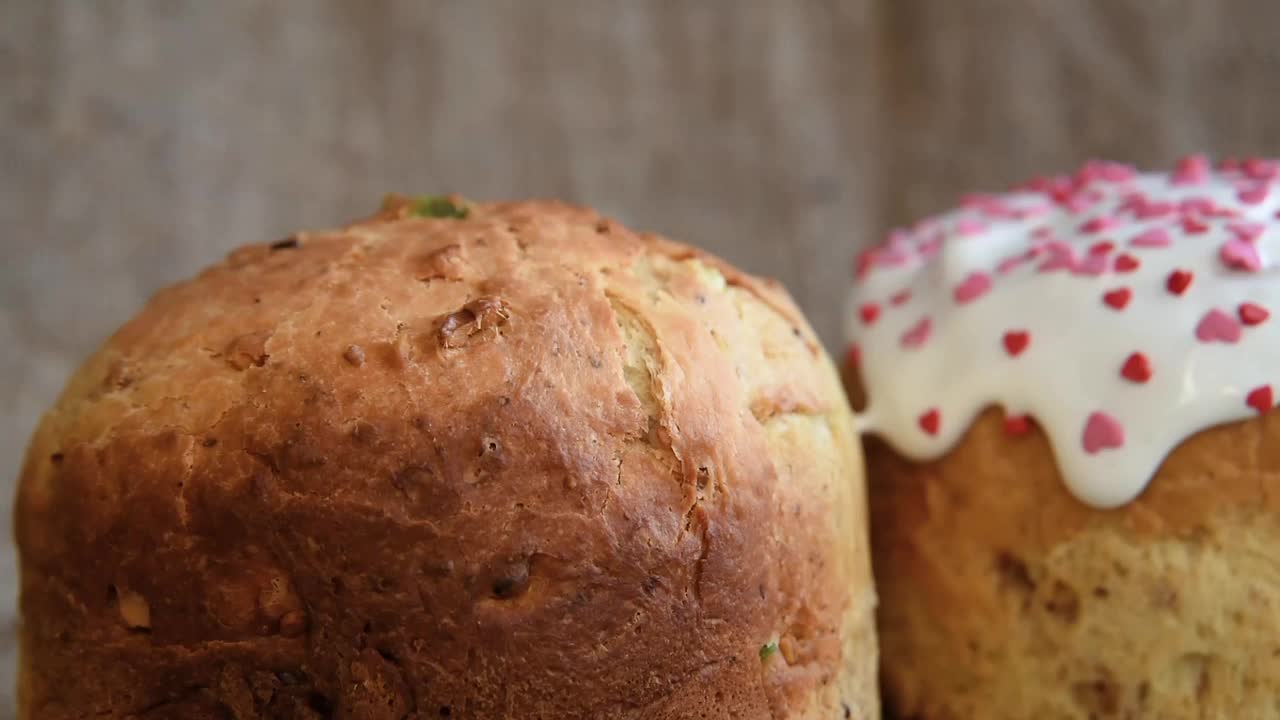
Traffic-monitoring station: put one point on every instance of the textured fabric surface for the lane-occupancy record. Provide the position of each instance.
(142, 140)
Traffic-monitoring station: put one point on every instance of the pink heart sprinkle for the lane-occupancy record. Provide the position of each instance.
(1218, 326)
(1153, 238)
(1240, 255)
(974, 286)
(1091, 264)
(1061, 257)
(1260, 169)
(1197, 204)
(1191, 169)
(1102, 432)
(1253, 195)
(918, 335)
(1248, 232)
(1156, 209)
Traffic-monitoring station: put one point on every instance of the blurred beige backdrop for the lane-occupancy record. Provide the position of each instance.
(142, 139)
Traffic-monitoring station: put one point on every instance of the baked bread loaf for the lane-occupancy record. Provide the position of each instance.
(1074, 462)
(466, 461)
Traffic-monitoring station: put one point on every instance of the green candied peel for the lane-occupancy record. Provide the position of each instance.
(437, 206)
(767, 650)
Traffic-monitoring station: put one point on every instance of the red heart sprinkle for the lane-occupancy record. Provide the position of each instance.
(854, 356)
(869, 313)
(1117, 298)
(1097, 224)
(1102, 432)
(1252, 314)
(1015, 341)
(1260, 399)
(1102, 247)
(1016, 424)
(930, 420)
(1191, 169)
(1137, 368)
(1192, 225)
(1178, 281)
(1126, 263)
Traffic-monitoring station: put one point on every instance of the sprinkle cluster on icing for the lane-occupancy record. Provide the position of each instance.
(1122, 311)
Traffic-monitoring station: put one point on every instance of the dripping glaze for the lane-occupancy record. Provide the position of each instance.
(1122, 311)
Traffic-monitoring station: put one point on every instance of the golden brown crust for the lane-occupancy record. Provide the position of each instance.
(526, 464)
(1005, 598)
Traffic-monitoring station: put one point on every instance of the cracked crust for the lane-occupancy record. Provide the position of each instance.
(528, 464)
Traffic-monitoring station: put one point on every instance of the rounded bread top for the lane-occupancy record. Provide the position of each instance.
(455, 432)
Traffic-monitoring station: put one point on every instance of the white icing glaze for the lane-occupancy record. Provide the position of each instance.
(943, 349)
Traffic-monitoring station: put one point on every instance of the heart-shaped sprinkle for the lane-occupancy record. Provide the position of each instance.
(1016, 424)
(1057, 260)
(1157, 209)
(1098, 224)
(1193, 225)
(1118, 298)
(1190, 170)
(974, 286)
(1136, 368)
(1217, 326)
(1015, 341)
(853, 356)
(1197, 205)
(1091, 264)
(1102, 432)
(869, 313)
(918, 335)
(1253, 195)
(1247, 231)
(930, 421)
(1252, 313)
(1178, 281)
(1240, 255)
(900, 298)
(1101, 247)
(1126, 263)
(1261, 399)
(1260, 169)
(1153, 238)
